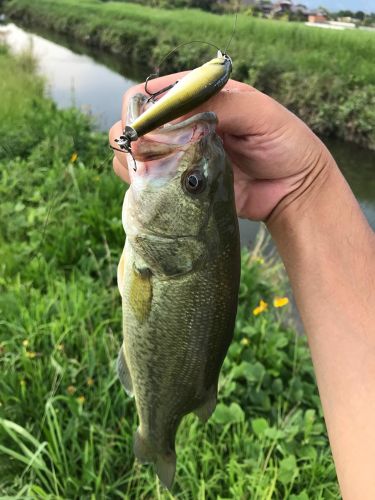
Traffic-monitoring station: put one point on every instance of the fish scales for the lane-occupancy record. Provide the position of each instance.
(179, 278)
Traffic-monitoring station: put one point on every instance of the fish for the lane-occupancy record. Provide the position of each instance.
(178, 277)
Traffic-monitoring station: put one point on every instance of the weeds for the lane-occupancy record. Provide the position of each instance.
(325, 76)
(66, 425)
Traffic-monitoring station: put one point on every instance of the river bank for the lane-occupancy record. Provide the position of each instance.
(326, 78)
(65, 423)
(83, 76)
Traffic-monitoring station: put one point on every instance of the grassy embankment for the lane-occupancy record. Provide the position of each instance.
(327, 77)
(65, 423)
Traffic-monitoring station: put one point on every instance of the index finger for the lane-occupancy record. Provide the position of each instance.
(241, 109)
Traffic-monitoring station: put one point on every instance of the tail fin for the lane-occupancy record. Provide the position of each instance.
(165, 464)
(165, 468)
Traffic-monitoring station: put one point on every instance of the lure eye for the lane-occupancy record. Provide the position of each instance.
(194, 182)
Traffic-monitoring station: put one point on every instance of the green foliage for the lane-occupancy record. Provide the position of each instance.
(297, 64)
(336, 108)
(350, 51)
(66, 424)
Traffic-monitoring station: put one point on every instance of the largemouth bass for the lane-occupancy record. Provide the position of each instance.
(178, 277)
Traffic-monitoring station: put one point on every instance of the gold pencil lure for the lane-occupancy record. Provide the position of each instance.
(183, 96)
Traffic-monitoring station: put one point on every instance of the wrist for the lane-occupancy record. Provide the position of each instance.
(320, 231)
(311, 224)
(292, 212)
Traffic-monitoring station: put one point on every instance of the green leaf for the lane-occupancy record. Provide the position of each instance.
(301, 496)
(307, 452)
(251, 372)
(250, 330)
(277, 386)
(287, 470)
(310, 417)
(235, 350)
(274, 433)
(228, 414)
(259, 425)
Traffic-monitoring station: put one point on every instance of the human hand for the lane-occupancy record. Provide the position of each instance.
(284, 175)
(274, 155)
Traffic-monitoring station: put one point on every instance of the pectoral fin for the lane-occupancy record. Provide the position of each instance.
(124, 373)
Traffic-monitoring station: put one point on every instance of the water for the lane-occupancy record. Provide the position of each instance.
(95, 82)
(73, 78)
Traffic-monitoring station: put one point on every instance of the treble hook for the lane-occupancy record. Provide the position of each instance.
(124, 142)
(161, 91)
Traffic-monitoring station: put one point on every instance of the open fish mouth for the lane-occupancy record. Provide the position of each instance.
(170, 138)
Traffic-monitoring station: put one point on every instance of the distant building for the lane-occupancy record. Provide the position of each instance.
(346, 20)
(317, 17)
(319, 20)
(343, 24)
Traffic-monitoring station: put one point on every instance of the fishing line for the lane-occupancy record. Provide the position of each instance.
(156, 73)
(52, 203)
(157, 69)
(36, 252)
(233, 32)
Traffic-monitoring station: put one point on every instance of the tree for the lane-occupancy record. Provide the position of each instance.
(345, 13)
(360, 15)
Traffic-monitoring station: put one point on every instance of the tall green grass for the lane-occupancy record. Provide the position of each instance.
(65, 422)
(327, 77)
(346, 53)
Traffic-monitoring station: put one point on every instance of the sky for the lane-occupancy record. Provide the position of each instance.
(335, 5)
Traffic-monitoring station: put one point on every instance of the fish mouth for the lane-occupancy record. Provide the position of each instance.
(172, 137)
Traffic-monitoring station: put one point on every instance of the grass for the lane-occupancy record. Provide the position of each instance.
(65, 422)
(339, 52)
(325, 76)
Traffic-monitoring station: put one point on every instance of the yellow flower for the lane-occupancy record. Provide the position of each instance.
(74, 157)
(280, 301)
(90, 381)
(31, 354)
(245, 341)
(25, 343)
(71, 389)
(81, 399)
(261, 308)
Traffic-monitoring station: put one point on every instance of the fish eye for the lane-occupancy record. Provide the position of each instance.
(194, 182)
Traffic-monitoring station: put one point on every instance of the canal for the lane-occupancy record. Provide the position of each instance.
(95, 82)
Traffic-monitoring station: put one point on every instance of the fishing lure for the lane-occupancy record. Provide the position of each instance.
(181, 97)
